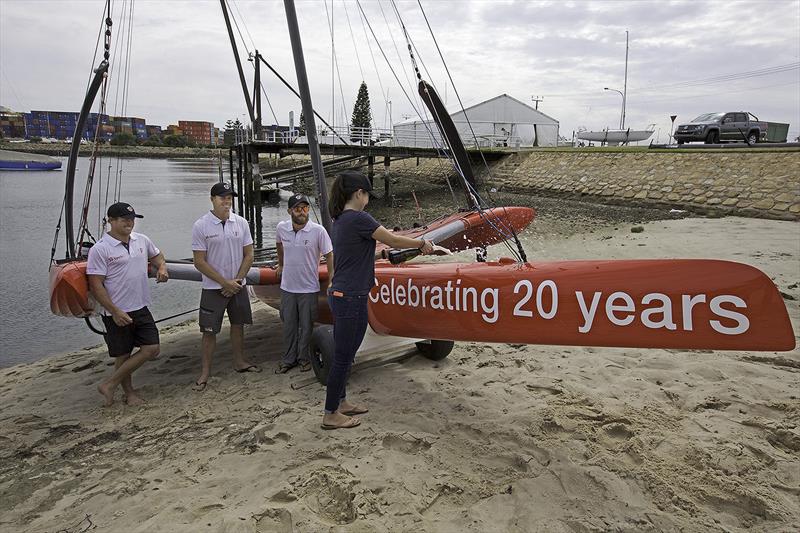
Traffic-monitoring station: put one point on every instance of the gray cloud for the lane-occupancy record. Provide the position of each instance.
(182, 66)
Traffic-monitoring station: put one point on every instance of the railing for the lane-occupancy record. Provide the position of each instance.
(420, 137)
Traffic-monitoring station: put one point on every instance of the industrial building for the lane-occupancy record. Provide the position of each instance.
(499, 121)
(12, 123)
(197, 131)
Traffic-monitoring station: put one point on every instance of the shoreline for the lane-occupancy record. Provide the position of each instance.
(61, 149)
(496, 436)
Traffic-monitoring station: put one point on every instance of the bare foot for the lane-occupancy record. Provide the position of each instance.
(107, 391)
(134, 399)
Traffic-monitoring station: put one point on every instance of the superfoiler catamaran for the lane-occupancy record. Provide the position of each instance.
(661, 303)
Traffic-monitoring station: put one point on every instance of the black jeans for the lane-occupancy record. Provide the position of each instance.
(349, 326)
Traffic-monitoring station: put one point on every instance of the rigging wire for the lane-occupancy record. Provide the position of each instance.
(335, 58)
(384, 92)
(236, 6)
(358, 59)
(435, 141)
(353, 37)
(472, 191)
(249, 53)
(397, 51)
(455, 90)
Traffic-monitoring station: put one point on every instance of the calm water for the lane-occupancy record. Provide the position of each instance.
(171, 194)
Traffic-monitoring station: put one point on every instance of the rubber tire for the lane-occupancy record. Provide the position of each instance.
(435, 350)
(322, 350)
(712, 137)
(752, 138)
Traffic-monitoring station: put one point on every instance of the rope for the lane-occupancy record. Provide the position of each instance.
(103, 333)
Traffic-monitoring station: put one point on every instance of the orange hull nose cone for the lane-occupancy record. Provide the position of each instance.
(69, 290)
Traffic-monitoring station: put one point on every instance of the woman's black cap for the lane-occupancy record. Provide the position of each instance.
(353, 181)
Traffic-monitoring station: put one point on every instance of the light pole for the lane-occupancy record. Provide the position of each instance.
(622, 114)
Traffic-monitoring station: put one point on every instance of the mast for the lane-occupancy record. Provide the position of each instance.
(308, 111)
(99, 76)
(625, 87)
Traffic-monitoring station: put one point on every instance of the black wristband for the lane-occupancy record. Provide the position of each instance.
(421, 246)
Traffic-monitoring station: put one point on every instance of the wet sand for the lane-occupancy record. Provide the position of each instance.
(494, 438)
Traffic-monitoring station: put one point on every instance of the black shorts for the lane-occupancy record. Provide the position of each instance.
(213, 306)
(121, 340)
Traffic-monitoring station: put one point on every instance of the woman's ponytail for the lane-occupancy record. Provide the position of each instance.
(338, 197)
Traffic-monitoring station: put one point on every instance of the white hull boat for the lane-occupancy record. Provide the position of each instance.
(615, 136)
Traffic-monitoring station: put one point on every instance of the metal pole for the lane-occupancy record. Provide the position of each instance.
(622, 113)
(257, 99)
(625, 87)
(238, 61)
(308, 112)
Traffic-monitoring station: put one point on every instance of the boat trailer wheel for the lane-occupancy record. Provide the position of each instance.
(435, 350)
(322, 349)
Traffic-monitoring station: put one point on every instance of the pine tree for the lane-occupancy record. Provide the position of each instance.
(302, 127)
(360, 129)
(232, 133)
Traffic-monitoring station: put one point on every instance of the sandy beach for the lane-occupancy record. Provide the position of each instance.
(494, 438)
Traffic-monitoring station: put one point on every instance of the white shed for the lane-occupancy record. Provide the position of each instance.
(499, 121)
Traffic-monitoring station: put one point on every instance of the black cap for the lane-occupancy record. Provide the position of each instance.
(298, 199)
(353, 180)
(222, 189)
(122, 210)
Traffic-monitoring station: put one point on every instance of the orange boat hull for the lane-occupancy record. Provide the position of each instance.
(668, 303)
(673, 303)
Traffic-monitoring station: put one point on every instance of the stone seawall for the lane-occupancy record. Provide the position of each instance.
(747, 183)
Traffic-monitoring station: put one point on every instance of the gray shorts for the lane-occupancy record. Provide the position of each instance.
(213, 306)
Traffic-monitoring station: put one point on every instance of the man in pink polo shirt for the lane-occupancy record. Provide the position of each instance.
(300, 244)
(223, 253)
(117, 272)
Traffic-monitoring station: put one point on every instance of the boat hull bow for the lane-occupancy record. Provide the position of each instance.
(684, 304)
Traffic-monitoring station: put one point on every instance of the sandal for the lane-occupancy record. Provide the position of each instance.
(283, 368)
(250, 368)
(199, 386)
(350, 423)
(305, 366)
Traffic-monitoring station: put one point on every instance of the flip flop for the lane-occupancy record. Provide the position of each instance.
(199, 386)
(351, 423)
(356, 411)
(251, 368)
(305, 366)
(283, 368)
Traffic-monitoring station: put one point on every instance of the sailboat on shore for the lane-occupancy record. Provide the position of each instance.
(622, 135)
(665, 303)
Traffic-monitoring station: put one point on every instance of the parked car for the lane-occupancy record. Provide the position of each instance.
(713, 128)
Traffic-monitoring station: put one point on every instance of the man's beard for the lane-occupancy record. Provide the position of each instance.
(299, 220)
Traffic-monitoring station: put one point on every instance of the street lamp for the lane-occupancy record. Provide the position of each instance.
(622, 114)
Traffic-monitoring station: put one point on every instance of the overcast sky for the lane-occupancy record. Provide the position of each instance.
(686, 57)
